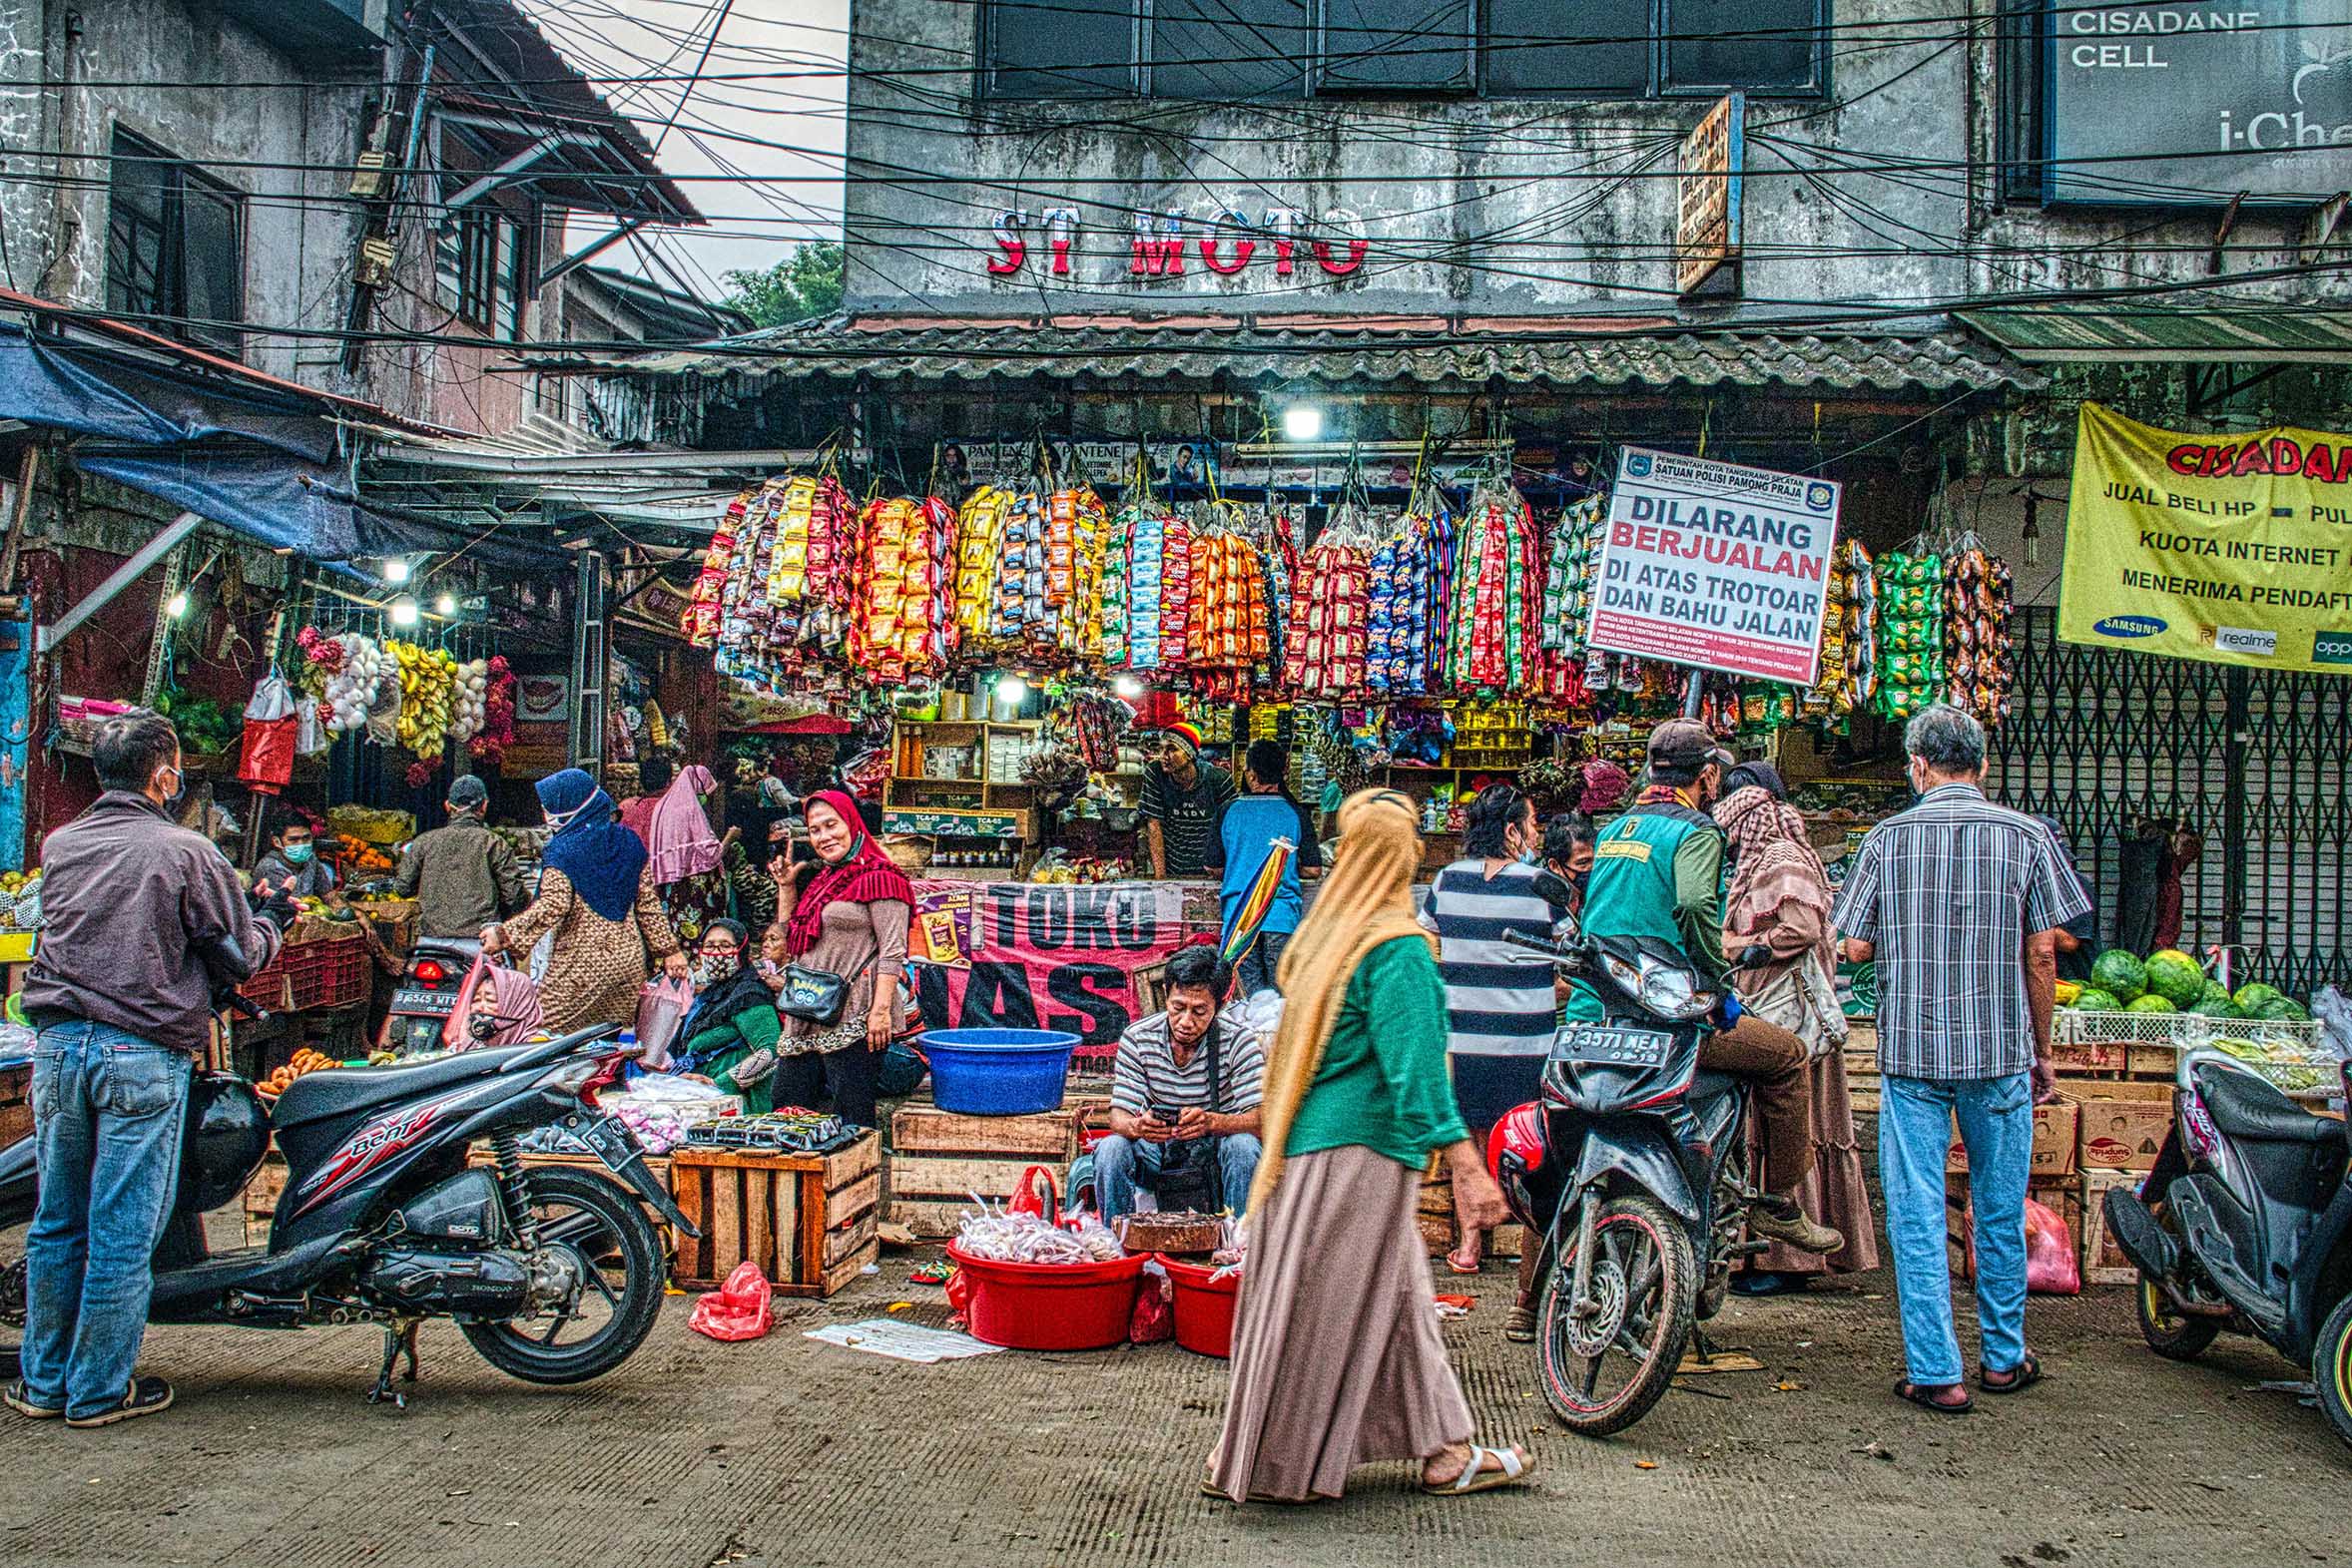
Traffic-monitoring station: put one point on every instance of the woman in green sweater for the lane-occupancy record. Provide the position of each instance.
(729, 1035)
(1337, 1360)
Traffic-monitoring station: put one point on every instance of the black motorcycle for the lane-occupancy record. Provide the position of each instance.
(430, 979)
(2245, 1224)
(1634, 1169)
(553, 1274)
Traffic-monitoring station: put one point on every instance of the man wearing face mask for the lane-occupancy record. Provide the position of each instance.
(146, 923)
(1657, 871)
(292, 866)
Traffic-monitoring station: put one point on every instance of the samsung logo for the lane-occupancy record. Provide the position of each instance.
(2128, 625)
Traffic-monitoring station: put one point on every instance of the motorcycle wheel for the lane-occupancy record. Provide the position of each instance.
(621, 1252)
(12, 1297)
(2178, 1336)
(2331, 1369)
(1602, 1375)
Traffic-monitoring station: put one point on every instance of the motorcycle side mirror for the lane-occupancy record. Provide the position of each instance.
(1754, 957)
(1553, 889)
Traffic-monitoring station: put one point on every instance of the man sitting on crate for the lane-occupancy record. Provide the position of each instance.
(1184, 1100)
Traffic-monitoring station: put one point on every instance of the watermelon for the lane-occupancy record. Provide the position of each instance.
(2119, 974)
(2215, 1006)
(2216, 991)
(2175, 976)
(2281, 1009)
(2097, 1001)
(2250, 998)
(2151, 1003)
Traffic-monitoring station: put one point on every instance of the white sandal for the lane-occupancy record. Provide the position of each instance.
(1510, 1469)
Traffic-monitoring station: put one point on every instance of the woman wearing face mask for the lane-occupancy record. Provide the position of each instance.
(702, 876)
(500, 1006)
(845, 913)
(730, 1036)
(1498, 1000)
(596, 895)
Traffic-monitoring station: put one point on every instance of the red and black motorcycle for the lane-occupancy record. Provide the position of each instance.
(554, 1276)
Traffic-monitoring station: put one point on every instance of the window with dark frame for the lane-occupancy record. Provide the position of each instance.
(1242, 50)
(492, 260)
(175, 246)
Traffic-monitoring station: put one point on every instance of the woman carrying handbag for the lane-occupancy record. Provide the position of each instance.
(846, 915)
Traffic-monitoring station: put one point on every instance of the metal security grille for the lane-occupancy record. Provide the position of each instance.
(2256, 761)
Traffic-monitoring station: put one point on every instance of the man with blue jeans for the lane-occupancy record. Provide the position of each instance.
(1166, 1112)
(144, 921)
(1958, 902)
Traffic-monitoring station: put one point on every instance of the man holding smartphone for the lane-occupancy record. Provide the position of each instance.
(1184, 1101)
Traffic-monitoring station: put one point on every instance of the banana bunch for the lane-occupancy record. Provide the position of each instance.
(428, 697)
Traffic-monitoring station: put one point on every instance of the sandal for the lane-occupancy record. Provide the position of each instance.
(1511, 1468)
(1454, 1265)
(2021, 1376)
(1924, 1395)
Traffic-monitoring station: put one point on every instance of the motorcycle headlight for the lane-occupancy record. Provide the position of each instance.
(1670, 994)
(1627, 977)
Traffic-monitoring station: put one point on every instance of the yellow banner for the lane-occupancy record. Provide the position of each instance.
(2233, 548)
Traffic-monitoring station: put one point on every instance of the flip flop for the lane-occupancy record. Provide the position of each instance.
(1453, 1265)
(2021, 1376)
(1923, 1396)
(1475, 1477)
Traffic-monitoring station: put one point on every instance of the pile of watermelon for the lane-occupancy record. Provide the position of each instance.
(2172, 981)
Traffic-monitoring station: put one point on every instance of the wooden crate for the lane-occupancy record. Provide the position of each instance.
(940, 1159)
(262, 1193)
(805, 1219)
(16, 1103)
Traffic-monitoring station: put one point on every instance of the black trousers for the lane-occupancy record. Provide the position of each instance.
(846, 1076)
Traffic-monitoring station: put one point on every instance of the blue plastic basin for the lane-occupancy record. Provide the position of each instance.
(998, 1072)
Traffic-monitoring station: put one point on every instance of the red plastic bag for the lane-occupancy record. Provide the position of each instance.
(266, 758)
(742, 1309)
(2052, 1268)
(1025, 1200)
(1155, 1308)
(660, 1007)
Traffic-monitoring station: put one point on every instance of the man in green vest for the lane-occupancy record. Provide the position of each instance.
(1658, 871)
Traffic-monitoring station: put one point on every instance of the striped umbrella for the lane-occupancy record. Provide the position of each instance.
(1241, 931)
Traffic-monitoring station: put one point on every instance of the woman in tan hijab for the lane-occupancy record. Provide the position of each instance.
(1337, 1360)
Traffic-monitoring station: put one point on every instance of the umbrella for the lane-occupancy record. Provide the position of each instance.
(1241, 931)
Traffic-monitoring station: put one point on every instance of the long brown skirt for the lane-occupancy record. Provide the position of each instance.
(1834, 1191)
(1337, 1359)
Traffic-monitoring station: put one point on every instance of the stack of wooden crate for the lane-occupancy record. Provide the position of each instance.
(941, 1161)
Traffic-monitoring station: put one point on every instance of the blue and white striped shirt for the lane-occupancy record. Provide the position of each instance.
(1498, 999)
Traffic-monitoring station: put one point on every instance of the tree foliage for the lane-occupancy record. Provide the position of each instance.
(805, 284)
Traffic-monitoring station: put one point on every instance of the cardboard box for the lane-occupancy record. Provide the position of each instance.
(2122, 1126)
(2103, 1262)
(2056, 1142)
(2088, 1056)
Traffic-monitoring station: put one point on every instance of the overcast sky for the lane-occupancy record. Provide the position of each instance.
(753, 225)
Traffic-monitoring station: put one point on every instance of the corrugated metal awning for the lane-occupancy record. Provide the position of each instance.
(1562, 352)
(2102, 335)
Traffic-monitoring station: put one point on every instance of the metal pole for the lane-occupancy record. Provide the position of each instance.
(123, 576)
(2237, 724)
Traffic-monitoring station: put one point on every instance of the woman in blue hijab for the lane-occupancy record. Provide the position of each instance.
(596, 895)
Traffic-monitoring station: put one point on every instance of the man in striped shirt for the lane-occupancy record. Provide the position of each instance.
(1165, 1113)
(1958, 902)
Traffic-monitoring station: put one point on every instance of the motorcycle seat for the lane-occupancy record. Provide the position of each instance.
(340, 1091)
(2248, 1107)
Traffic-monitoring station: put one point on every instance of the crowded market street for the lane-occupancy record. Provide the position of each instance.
(788, 1451)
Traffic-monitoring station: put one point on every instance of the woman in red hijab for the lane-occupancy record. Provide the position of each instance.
(847, 912)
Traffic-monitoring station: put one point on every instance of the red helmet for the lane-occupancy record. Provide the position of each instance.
(1520, 1133)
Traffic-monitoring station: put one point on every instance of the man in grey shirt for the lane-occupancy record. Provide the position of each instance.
(1958, 902)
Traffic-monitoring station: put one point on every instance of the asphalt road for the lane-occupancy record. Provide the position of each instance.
(790, 1452)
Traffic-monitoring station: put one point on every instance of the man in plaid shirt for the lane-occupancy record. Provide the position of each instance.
(1960, 903)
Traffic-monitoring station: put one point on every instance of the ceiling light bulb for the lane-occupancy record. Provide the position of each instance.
(1302, 423)
(1128, 687)
(445, 605)
(403, 611)
(176, 605)
(396, 570)
(1011, 689)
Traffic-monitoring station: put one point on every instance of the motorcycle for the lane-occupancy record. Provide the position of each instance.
(431, 979)
(553, 1274)
(1632, 1167)
(2245, 1224)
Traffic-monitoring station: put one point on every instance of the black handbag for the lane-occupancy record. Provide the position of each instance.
(1192, 1178)
(816, 996)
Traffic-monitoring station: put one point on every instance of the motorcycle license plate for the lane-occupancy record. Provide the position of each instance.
(1620, 1046)
(608, 1139)
(437, 1004)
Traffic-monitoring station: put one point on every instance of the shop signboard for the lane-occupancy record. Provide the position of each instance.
(1031, 955)
(2252, 99)
(1707, 201)
(1717, 565)
(2231, 547)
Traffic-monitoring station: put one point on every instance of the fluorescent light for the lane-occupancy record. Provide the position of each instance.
(395, 568)
(1128, 687)
(403, 611)
(176, 605)
(1302, 423)
(1011, 688)
(445, 605)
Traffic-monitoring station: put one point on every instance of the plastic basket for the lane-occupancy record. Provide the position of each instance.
(2289, 1053)
(998, 1072)
(1204, 1307)
(1050, 1307)
(324, 974)
(265, 987)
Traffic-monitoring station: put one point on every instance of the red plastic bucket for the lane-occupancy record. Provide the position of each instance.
(1204, 1307)
(1050, 1307)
